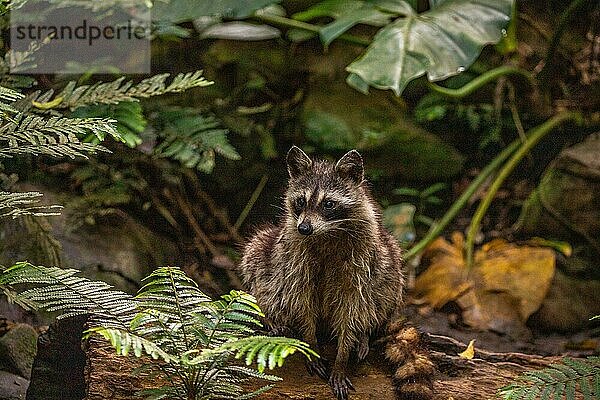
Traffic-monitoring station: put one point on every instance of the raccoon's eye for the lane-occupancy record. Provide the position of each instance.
(300, 202)
(328, 204)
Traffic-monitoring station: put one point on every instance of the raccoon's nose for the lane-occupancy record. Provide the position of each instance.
(305, 228)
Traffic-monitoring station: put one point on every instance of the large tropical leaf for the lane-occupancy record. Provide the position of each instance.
(346, 14)
(177, 11)
(441, 42)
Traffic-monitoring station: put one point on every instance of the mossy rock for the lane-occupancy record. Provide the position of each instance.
(566, 206)
(18, 348)
(337, 118)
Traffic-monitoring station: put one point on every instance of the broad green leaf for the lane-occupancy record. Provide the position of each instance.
(440, 43)
(186, 10)
(346, 14)
(239, 30)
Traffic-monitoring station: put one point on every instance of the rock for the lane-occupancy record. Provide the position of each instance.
(18, 348)
(568, 305)
(12, 387)
(566, 206)
(336, 118)
(117, 249)
(57, 372)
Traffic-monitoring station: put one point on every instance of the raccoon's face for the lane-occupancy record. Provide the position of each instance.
(323, 197)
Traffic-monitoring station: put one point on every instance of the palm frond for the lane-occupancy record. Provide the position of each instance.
(557, 381)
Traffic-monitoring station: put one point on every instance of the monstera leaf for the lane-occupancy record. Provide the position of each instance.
(346, 14)
(176, 11)
(441, 42)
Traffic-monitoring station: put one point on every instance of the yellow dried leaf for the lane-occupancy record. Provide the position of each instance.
(506, 285)
(47, 105)
(469, 352)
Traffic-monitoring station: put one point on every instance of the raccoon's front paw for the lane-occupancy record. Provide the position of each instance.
(340, 384)
(318, 367)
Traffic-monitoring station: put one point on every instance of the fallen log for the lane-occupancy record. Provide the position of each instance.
(109, 376)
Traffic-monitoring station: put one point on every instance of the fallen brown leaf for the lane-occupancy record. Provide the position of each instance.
(505, 286)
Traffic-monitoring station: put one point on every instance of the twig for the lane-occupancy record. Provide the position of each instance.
(191, 219)
(251, 201)
(217, 212)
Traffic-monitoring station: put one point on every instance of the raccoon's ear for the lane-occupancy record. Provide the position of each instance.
(297, 162)
(351, 166)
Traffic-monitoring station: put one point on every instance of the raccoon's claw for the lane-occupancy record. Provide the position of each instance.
(362, 350)
(341, 385)
(318, 367)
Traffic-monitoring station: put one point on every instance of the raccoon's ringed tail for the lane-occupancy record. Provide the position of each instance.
(413, 377)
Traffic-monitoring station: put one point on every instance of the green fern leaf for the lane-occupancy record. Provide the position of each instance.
(557, 381)
(19, 204)
(124, 342)
(267, 351)
(56, 136)
(73, 96)
(192, 139)
(59, 289)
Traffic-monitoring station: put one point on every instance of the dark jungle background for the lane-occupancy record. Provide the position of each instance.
(512, 120)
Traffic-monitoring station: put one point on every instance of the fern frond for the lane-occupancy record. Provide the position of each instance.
(125, 342)
(56, 136)
(192, 139)
(557, 380)
(73, 96)
(24, 203)
(57, 289)
(266, 350)
(8, 95)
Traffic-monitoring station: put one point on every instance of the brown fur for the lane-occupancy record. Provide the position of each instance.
(344, 278)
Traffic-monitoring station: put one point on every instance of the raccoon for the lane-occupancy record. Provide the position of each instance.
(331, 265)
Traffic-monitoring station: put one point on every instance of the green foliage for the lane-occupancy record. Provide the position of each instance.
(441, 42)
(74, 96)
(169, 319)
(346, 15)
(192, 139)
(423, 199)
(558, 381)
(128, 115)
(62, 290)
(25, 203)
(55, 136)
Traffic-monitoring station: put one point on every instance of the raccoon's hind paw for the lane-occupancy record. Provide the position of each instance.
(341, 385)
(362, 350)
(318, 367)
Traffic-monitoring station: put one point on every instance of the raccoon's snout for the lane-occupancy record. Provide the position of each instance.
(305, 228)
